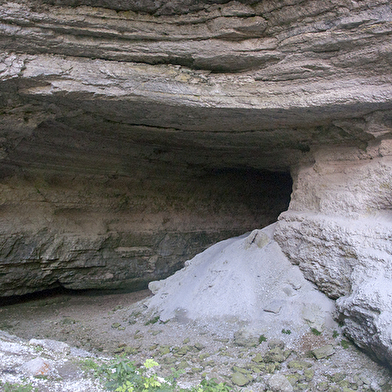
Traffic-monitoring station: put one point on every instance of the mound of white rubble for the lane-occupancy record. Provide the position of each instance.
(247, 280)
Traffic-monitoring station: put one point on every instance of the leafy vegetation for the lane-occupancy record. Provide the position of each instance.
(345, 343)
(315, 332)
(9, 387)
(286, 331)
(262, 339)
(154, 320)
(121, 375)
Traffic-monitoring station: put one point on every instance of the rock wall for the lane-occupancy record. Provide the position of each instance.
(134, 132)
(338, 229)
(98, 232)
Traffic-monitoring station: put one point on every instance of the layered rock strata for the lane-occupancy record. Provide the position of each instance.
(338, 229)
(134, 133)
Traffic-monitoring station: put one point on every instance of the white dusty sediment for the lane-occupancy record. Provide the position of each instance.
(245, 280)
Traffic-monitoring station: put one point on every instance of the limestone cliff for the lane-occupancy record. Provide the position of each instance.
(134, 133)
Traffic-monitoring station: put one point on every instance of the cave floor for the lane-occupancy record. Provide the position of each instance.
(112, 324)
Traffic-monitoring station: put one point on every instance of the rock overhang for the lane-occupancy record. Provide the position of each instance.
(134, 134)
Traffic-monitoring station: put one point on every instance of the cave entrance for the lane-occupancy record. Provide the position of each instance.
(117, 232)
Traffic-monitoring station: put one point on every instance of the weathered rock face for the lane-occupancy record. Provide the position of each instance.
(134, 133)
(338, 230)
(98, 231)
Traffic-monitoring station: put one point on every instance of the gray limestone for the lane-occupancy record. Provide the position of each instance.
(136, 133)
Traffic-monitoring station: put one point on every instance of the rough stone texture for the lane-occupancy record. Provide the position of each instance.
(338, 230)
(121, 120)
(101, 232)
(279, 383)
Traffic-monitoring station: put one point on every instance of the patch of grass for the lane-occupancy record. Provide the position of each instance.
(88, 365)
(153, 320)
(315, 332)
(345, 344)
(9, 387)
(335, 334)
(212, 386)
(286, 331)
(68, 321)
(262, 339)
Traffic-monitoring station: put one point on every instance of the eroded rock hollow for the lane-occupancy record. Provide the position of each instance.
(133, 134)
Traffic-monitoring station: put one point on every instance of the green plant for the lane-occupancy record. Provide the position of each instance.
(345, 343)
(88, 365)
(8, 387)
(121, 375)
(262, 339)
(335, 334)
(286, 331)
(127, 387)
(315, 332)
(153, 320)
(212, 386)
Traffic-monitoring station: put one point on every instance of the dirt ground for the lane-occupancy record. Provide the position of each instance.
(112, 324)
(81, 319)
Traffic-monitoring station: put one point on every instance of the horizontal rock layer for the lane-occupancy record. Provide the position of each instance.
(134, 133)
(338, 229)
(84, 232)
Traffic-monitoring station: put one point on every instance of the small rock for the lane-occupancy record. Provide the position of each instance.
(128, 350)
(293, 378)
(299, 365)
(240, 379)
(37, 367)
(257, 358)
(168, 360)
(182, 365)
(309, 374)
(53, 345)
(276, 343)
(323, 386)
(323, 352)
(183, 350)
(274, 307)
(279, 383)
(199, 346)
(270, 368)
(245, 339)
(164, 350)
(275, 355)
(344, 384)
(338, 377)
(237, 369)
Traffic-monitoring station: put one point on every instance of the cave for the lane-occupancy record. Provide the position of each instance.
(97, 207)
(135, 134)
